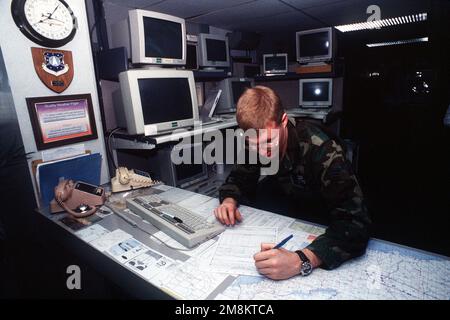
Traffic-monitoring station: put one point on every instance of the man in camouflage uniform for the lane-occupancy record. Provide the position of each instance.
(307, 151)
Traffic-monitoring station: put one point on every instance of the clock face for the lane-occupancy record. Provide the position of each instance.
(49, 23)
(50, 18)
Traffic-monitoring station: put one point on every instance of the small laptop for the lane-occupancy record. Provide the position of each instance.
(208, 108)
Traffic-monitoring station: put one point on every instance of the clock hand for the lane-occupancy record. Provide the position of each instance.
(49, 18)
(54, 11)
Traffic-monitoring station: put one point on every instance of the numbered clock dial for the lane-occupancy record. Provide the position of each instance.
(49, 23)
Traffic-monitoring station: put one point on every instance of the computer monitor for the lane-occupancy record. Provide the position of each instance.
(316, 93)
(159, 164)
(151, 37)
(179, 175)
(275, 63)
(213, 51)
(157, 100)
(232, 89)
(314, 45)
(191, 57)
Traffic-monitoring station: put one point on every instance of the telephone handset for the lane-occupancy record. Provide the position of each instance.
(129, 179)
(79, 199)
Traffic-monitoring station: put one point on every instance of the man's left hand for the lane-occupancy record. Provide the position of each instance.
(277, 264)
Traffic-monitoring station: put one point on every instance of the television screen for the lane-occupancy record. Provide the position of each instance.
(314, 44)
(216, 50)
(165, 99)
(316, 91)
(276, 63)
(163, 39)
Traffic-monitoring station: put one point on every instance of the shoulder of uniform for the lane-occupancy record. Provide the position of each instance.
(310, 133)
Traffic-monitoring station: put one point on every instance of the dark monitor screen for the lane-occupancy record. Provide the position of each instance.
(191, 57)
(251, 71)
(216, 50)
(165, 99)
(316, 91)
(163, 39)
(275, 63)
(314, 44)
(238, 88)
(185, 171)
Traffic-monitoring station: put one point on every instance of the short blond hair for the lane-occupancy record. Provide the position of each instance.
(257, 106)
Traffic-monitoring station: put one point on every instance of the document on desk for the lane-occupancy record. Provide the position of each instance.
(149, 264)
(168, 240)
(108, 240)
(260, 218)
(235, 249)
(186, 281)
(91, 232)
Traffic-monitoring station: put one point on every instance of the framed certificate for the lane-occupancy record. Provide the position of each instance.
(61, 120)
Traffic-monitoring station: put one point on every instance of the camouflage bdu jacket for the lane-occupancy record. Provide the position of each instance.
(318, 158)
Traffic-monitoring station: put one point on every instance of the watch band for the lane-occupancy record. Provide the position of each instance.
(302, 256)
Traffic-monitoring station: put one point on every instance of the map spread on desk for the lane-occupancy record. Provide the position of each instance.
(386, 271)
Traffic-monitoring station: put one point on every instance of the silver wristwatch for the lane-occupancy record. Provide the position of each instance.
(305, 267)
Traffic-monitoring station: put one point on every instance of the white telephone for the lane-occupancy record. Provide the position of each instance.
(130, 179)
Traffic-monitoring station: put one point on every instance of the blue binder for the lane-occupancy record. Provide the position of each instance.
(85, 168)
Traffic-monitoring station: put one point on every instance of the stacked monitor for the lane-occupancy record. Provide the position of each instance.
(232, 89)
(157, 100)
(151, 38)
(213, 51)
(179, 175)
(275, 63)
(314, 45)
(316, 93)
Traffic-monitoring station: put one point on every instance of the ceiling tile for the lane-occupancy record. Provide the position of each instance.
(289, 21)
(247, 12)
(191, 8)
(132, 3)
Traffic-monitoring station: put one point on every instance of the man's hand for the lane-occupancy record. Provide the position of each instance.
(227, 213)
(277, 264)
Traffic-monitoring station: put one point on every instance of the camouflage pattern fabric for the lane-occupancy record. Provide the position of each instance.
(316, 162)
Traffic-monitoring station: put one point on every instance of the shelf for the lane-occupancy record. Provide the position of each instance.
(293, 76)
(122, 140)
(202, 75)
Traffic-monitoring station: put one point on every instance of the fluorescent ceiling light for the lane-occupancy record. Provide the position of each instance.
(376, 24)
(394, 43)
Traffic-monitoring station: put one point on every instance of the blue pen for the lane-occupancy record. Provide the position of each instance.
(282, 243)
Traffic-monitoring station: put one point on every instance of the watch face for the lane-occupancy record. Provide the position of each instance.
(50, 23)
(306, 268)
(50, 18)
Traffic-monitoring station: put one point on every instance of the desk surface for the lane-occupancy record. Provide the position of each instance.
(386, 271)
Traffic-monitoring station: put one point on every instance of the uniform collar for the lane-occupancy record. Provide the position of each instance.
(293, 147)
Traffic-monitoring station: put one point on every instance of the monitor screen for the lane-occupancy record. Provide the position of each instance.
(165, 99)
(163, 39)
(238, 88)
(251, 71)
(216, 50)
(191, 57)
(186, 171)
(314, 44)
(316, 91)
(276, 63)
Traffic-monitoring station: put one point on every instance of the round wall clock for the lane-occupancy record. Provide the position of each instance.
(49, 23)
